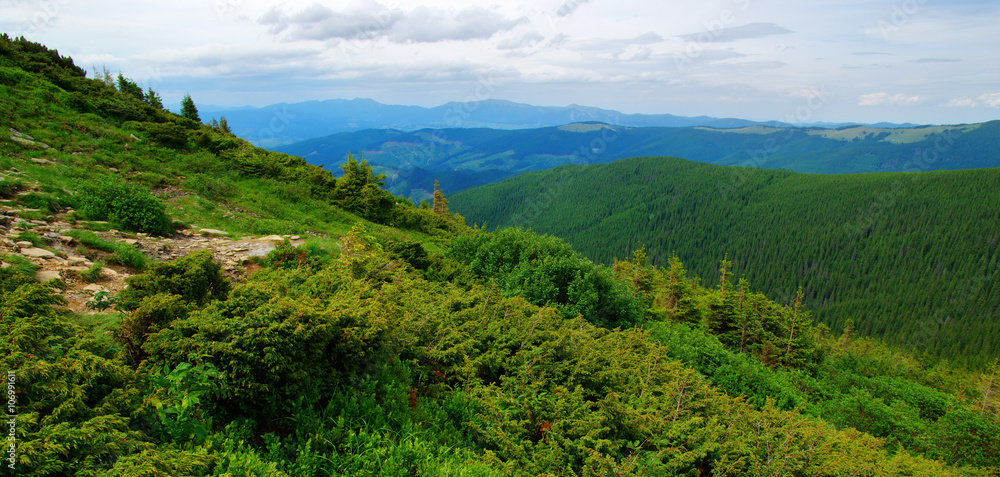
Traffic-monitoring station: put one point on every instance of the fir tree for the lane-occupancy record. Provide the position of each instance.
(153, 99)
(188, 109)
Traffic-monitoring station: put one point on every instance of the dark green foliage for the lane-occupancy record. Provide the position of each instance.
(168, 134)
(128, 206)
(898, 253)
(188, 109)
(153, 99)
(127, 86)
(360, 191)
(195, 278)
(545, 270)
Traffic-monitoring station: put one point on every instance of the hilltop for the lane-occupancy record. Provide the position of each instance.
(396, 340)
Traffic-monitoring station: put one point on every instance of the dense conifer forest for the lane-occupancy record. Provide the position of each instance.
(397, 340)
(909, 257)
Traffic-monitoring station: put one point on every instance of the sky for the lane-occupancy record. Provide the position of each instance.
(918, 61)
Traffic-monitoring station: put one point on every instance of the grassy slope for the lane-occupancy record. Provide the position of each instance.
(912, 258)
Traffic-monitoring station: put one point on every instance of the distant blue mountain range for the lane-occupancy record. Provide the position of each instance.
(286, 123)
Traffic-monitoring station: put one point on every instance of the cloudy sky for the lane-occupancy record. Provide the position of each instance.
(921, 61)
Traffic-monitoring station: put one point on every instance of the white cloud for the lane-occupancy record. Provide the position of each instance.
(960, 103)
(369, 20)
(885, 99)
(742, 32)
(991, 99)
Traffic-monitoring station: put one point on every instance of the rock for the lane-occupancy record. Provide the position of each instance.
(187, 233)
(37, 253)
(273, 238)
(294, 237)
(107, 272)
(94, 288)
(74, 261)
(4, 265)
(46, 275)
(130, 241)
(134, 138)
(211, 232)
(15, 132)
(24, 244)
(37, 160)
(66, 239)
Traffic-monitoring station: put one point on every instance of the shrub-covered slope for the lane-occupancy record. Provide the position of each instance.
(420, 347)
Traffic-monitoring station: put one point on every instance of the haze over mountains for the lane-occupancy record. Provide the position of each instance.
(285, 123)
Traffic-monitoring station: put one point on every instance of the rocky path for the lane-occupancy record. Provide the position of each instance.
(60, 256)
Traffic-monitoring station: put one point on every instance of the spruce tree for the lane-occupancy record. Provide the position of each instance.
(188, 109)
(153, 99)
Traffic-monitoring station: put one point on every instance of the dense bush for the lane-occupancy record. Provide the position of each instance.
(128, 206)
(195, 278)
(546, 270)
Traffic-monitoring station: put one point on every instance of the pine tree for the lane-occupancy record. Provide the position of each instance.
(188, 109)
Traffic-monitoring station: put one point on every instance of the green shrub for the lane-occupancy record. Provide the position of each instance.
(545, 269)
(91, 240)
(196, 278)
(130, 207)
(128, 256)
(92, 273)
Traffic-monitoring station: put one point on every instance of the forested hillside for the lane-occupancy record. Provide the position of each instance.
(912, 258)
(471, 157)
(397, 340)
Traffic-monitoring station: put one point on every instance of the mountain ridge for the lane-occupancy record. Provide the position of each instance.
(285, 123)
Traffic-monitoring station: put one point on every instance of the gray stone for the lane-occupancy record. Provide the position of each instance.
(210, 232)
(46, 275)
(36, 253)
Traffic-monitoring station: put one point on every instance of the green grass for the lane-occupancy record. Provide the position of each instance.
(92, 273)
(19, 265)
(121, 253)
